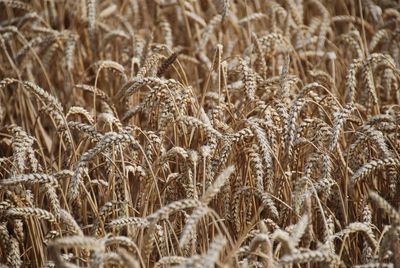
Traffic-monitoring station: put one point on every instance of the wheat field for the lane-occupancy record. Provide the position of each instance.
(199, 133)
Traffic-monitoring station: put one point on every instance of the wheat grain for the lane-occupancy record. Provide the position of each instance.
(311, 256)
(371, 166)
(27, 212)
(31, 178)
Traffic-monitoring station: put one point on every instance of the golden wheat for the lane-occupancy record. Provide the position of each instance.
(199, 133)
